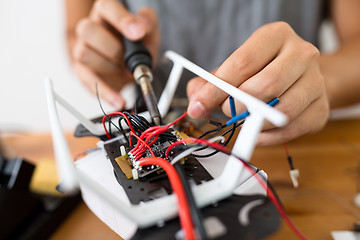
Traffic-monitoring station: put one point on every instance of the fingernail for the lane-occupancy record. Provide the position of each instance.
(136, 30)
(117, 103)
(196, 110)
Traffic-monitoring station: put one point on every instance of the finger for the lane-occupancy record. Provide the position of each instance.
(116, 15)
(280, 74)
(312, 120)
(152, 33)
(90, 79)
(300, 95)
(193, 85)
(87, 56)
(100, 39)
(245, 62)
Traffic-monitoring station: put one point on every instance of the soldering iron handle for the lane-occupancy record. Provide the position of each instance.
(135, 54)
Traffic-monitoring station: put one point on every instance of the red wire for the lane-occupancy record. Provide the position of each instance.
(178, 119)
(127, 120)
(139, 139)
(156, 131)
(106, 131)
(141, 146)
(143, 134)
(276, 203)
(152, 132)
(184, 211)
(260, 180)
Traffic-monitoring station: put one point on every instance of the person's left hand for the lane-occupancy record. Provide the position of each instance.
(273, 62)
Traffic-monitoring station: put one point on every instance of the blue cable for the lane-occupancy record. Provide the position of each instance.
(246, 113)
(273, 102)
(232, 106)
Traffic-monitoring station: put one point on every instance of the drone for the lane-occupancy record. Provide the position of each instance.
(149, 182)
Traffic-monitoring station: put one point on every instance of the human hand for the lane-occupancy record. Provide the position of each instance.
(273, 62)
(98, 51)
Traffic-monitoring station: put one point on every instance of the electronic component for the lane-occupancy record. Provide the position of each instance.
(151, 201)
(155, 185)
(143, 189)
(125, 165)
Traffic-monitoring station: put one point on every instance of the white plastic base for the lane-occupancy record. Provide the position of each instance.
(98, 168)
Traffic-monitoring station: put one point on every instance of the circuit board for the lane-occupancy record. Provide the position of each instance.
(154, 185)
(263, 218)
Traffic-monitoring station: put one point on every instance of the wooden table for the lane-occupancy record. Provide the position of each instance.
(328, 162)
(329, 175)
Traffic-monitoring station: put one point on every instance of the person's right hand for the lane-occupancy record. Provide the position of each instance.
(98, 50)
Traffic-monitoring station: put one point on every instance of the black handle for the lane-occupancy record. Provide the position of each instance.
(135, 54)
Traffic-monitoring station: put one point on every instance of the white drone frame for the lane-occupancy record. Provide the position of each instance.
(164, 208)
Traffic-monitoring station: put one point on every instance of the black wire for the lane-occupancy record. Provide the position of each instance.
(272, 189)
(237, 125)
(290, 161)
(196, 214)
(232, 130)
(136, 126)
(139, 123)
(122, 130)
(109, 125)
(226, 143)
(142, 124)
(145, 121)
(228, 152)
(102, 109)
(168, 136)
(142, 120)
(218, 129)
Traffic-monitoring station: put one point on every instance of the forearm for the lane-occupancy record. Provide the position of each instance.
(342, 74)
(75, 10)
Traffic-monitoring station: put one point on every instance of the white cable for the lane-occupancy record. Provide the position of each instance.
(184, 154)
(189, 151)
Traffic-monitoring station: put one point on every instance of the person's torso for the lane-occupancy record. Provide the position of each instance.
(208, 31)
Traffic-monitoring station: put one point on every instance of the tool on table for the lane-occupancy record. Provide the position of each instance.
(138, 61)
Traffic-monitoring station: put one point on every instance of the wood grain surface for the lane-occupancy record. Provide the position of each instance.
(329, 164)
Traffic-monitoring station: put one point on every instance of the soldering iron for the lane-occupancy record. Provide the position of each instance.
(138, 61)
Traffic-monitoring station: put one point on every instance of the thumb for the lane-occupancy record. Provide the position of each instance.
(204, 97)
(196, 108)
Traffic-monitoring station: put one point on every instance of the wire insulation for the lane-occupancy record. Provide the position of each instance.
(259, 178)
(184, 211)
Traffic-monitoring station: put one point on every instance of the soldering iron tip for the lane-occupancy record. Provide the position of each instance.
(157, 121)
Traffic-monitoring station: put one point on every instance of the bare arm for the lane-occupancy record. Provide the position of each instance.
(75, 11)
(342, 68)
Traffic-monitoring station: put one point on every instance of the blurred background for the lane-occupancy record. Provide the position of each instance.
(32, 47)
